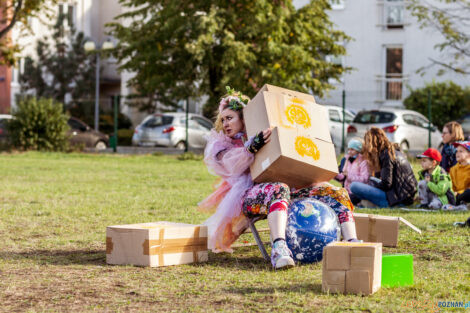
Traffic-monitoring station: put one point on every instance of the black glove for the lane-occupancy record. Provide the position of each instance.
(258, 143)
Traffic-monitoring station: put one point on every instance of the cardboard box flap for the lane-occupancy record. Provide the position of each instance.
(291, 93)
(413, 227)
(401, 219)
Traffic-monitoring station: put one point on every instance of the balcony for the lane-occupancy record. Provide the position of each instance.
(391, 88)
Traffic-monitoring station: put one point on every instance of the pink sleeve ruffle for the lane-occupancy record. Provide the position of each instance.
(225, 159)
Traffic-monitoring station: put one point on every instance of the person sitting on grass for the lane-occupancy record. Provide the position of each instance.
(451, 132)
(228, 154)
(434, 183)
(355, 168)
(460, 174)
(395, 183)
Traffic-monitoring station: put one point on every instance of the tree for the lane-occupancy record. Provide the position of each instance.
(449, 101)
(190, 48)
(11, 13)
(61, 69)
(451, 18)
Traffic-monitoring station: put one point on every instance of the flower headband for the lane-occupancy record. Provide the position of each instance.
(234, 100)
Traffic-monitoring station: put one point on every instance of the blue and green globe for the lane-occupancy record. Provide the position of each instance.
(311, 225)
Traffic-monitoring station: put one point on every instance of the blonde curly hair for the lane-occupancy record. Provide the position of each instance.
(218, 126)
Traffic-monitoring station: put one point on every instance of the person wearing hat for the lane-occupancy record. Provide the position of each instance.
(433, 181)
(460, 172)
(356, 168)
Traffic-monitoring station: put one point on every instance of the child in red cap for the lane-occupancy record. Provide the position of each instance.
(434, 183)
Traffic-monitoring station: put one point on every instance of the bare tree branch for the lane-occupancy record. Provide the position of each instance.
(10, 25)
(455, 69)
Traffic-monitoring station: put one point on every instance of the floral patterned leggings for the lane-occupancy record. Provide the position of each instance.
(262, 199)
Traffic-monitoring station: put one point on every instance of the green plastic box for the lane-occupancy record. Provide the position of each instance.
(397, 270)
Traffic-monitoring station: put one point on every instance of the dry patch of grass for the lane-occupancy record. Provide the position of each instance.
(55, 208)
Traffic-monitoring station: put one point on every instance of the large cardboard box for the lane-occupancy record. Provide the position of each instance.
(352, 267)
(156, 244)
(379, 228)
(300, 151)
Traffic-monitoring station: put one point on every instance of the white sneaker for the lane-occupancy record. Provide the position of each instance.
(281, 256)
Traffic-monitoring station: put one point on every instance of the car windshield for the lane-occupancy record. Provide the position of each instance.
(374, 117)
(159, 120)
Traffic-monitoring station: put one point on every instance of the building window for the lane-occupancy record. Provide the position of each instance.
(337, 4)
(337, 60)
(393, 73)
(68, 11)
(17, 71)
(394, 13)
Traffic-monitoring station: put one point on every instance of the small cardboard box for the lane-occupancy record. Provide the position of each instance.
(300, 151)
(352, 267)
(378, 228)
(156, 244)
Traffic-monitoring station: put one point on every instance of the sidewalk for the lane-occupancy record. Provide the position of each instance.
(142, 150)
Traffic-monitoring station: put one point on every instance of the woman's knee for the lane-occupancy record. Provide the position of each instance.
(354, 187)
(282, 191)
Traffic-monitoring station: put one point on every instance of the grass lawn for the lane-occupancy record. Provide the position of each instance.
(54, 209)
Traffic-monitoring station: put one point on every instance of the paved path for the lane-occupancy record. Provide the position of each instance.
(142, 150)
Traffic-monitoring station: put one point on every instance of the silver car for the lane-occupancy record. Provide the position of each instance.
(335, 116)
(169, 130)
(407, 128)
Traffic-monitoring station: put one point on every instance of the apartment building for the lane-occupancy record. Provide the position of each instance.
(388, 49)
(87, 16)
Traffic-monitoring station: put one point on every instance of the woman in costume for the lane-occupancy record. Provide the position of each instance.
(229, 154)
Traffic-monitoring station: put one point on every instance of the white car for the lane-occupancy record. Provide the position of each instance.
(335, 123)
(407, 128)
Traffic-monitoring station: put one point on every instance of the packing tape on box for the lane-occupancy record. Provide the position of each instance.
(372, 229)
(109, 245)
(161, 245)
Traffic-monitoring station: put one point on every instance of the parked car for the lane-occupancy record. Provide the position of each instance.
(81, 133)
(335, 122)
(407, 128)
(3, 129)
(169, 130)
(465, 122)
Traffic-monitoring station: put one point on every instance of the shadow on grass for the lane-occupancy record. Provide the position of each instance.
(58, 257)
(300, 288)
(237, 261)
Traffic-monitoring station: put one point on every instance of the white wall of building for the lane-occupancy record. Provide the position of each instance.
(90, 17)
(364, 21)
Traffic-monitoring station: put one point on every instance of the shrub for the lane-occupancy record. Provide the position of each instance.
(449, 101)
(39, 124)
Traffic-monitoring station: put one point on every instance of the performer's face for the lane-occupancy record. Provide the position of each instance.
(231, 122)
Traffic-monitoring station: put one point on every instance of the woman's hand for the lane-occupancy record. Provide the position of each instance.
(267, 135)
(260, 140)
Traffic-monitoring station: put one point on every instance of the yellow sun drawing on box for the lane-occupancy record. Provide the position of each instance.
(306, 147)
(298, 115)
